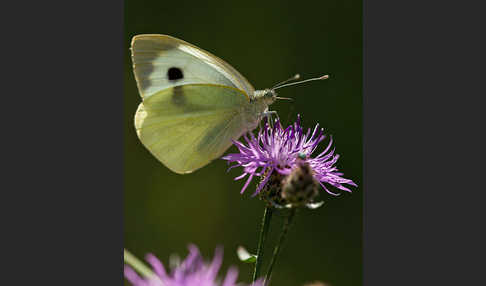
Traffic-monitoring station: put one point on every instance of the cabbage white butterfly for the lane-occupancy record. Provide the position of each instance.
(193, 103)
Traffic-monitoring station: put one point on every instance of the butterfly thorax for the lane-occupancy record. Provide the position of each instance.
(258, 107)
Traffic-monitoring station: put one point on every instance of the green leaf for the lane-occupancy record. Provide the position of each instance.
(136, 264)
(245, 256)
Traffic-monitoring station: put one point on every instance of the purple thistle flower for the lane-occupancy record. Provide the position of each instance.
(277, 149)
(192, 271)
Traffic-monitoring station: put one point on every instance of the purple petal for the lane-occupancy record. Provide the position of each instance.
(246, 184)
(231, 277)
(157, 266)
(240, 177)
(334, 194)
(263, 183)
(132, 276)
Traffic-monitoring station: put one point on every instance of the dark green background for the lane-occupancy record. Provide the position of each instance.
(267, 41)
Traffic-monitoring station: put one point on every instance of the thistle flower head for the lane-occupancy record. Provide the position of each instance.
(192, 271)
(276, 149)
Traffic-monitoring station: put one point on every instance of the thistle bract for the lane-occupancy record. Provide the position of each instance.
(300, 187)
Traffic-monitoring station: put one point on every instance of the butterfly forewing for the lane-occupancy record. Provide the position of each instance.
(161, 62)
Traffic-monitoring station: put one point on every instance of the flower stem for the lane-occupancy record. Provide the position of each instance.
(138, 265)
(267, 216)
(281, 240)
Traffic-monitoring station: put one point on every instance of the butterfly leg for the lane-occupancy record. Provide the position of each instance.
(269, 114)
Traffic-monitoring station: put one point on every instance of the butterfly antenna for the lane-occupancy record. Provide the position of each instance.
(285, 98)
(295, 77)
(302, 81)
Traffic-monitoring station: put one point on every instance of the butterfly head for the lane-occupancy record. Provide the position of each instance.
(269, 96)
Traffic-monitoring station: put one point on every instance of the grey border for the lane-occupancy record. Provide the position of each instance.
(63, 165)
(423, 78)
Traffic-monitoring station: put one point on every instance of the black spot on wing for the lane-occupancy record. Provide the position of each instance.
(174, 73)
(144, 60)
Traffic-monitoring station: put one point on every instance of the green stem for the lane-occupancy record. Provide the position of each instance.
(138, 265)
(267, 216)
(281, 240)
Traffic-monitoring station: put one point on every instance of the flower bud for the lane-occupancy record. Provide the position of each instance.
(300, 188)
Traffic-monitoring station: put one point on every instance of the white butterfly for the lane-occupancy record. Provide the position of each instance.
(194, 103)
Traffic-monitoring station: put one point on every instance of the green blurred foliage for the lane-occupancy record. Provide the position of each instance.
(267, 41)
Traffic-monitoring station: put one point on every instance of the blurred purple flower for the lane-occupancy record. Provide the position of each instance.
(192, 271)
(277, 149)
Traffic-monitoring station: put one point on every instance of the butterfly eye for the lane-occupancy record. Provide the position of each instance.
(269, 93)
(174, 73)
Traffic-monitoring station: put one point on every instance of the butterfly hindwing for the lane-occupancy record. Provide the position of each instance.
(186, 127)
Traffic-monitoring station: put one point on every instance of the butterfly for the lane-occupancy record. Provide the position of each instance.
(193, 103)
